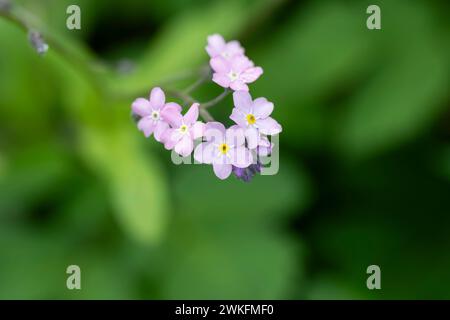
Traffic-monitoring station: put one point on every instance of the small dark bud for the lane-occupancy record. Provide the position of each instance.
(135, 117)
(38, 42)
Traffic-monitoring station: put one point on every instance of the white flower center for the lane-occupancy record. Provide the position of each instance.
(233, 75)
(155, 115)
(183, 129)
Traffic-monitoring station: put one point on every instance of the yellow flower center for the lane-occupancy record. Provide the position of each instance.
(223, 148)
(183, 128)
(251, 119)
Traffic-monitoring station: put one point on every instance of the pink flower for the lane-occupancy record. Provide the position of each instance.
(264, 146)
(150, 113)
(223, 149)
(217, 47)
(254, 116)
(184, 130)
(234, 73)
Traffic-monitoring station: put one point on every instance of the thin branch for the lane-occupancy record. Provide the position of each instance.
(216, 100)
(205, 75)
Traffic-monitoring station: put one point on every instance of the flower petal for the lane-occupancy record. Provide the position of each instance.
(252, 136)
(235, 137)
(215, 132)
(141, 107)
(251, 74)
(216, 43)
(241, 157)
(243, 101)
(205, 152)
(222, 171)
(268, 126)
(221, 79)
(234, 48)
(184, 146)
(238, 117)
(172, 116)
(160, 128)
(191, 115)
(169, 138)
(197, 130)
(238, 85)
(220, 65)
(157, 98)
(173, 106)
(262, 108)
(241, 63)
(146, 125)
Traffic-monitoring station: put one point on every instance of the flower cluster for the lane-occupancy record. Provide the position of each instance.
(234, 150)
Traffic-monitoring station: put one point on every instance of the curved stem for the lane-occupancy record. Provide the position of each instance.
(216, 100)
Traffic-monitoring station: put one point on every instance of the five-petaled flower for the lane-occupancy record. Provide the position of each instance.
(150, 111)
(224, 148)
(254, 115)
(184, 130)
(217, 47)
(234, 73)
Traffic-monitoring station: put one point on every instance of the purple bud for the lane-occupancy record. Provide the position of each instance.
(247, 174)
(38, 42)
(135, 117)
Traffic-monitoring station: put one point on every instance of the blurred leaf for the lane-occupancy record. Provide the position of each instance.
(136, 182)
(31, 175)
(108, 143)
(407, 93)
(319, 50)
(231, 266)
(266, 199)
(402, 100)
(180, 46)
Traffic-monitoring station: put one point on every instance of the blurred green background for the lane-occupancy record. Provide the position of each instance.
(365, 154)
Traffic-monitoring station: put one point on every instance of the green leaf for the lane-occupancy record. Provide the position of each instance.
(235, 265)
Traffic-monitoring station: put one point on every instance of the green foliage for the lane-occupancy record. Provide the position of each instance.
(364, 167)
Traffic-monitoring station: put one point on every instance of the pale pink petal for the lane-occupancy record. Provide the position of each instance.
(222, 171)
(234, 48)
(243, 101)
(235, 137)
(172, 105)
(169, 139)
(221, 79)
(214, 131)
(238, 117)
(157, 98)
(251, 74)
(205, 152)
(241, 157)
(262, 108)
(141, 107)
(172, 116)
(216, 43)
(220, 65)
(191, 115)
(252, 136)
(268, 126)
(241, 63)
(238, 85)
(185, 146)
(146, 125)
(197, 130)
(160, 128)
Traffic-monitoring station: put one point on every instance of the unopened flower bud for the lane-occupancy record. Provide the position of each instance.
(37, 42)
